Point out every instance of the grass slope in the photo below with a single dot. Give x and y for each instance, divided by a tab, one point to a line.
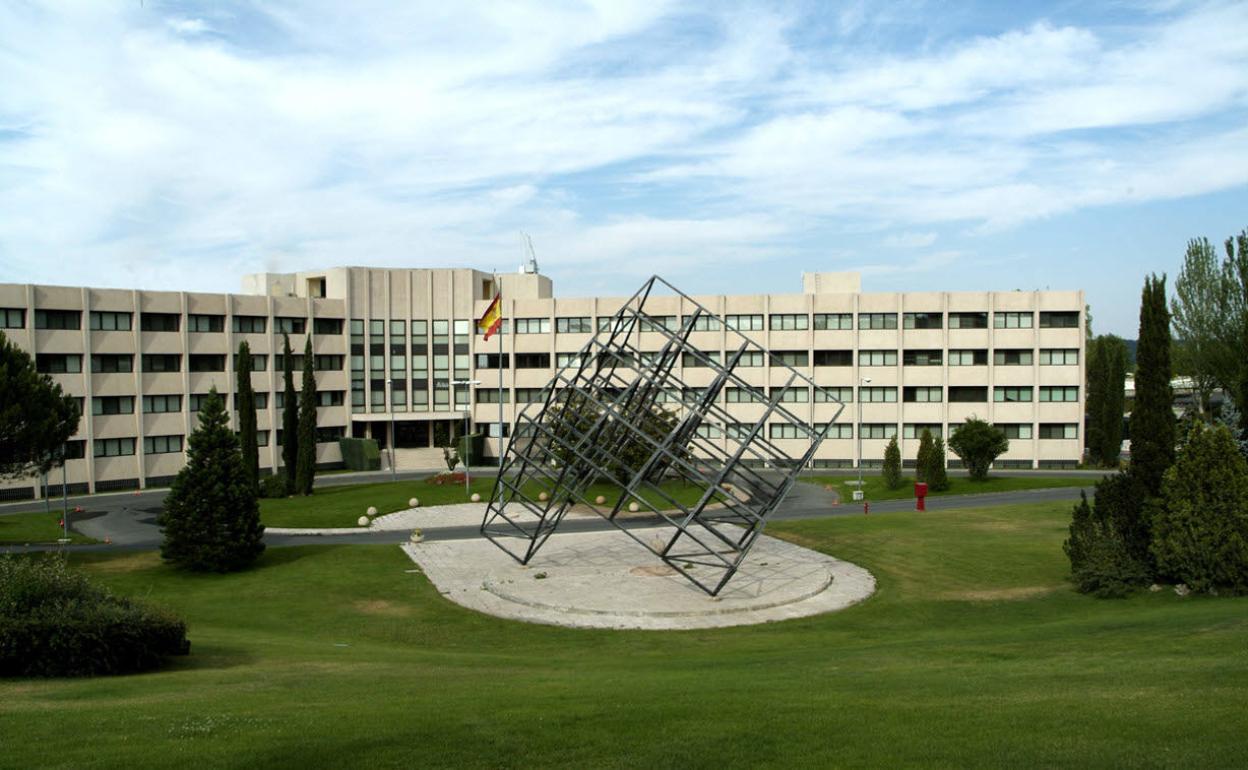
973	653
36	527
958	485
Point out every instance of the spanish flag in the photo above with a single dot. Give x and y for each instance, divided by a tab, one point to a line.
492	321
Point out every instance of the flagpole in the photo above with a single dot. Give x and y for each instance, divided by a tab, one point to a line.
501	429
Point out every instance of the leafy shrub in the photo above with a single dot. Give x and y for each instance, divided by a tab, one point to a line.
1200	533
54	622
273	486
892	465
978	443
1108	540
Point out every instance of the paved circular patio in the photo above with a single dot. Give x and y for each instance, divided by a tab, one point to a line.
606	580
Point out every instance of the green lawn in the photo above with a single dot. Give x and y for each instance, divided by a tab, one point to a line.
973	653
342	506
36	527
958	485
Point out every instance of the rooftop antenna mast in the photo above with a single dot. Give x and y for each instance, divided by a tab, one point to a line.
528	248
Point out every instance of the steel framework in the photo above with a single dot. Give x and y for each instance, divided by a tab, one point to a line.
605	417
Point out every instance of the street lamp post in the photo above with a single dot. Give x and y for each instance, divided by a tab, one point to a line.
467	425
865	381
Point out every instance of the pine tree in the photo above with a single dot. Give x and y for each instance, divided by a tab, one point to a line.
305	461
892	465
937	475
1094	438
290	418
1114	403
922	461
1152	420
211	518
245	400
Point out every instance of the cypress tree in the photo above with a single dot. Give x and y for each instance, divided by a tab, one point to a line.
937	475
1114	403
1152	421
1094	438
245	399
305	462
211	519
921	461
290	418
892	465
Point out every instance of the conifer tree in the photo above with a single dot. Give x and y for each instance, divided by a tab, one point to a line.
245	400
937	475
290	418
1107	370
305	461
921	460
892	465
211	518
1152	420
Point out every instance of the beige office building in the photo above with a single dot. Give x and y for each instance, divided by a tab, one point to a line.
391	344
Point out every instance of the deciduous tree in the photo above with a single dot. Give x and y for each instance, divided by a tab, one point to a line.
36	417
978	444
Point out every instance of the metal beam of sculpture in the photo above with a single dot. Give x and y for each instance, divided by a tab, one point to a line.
619	413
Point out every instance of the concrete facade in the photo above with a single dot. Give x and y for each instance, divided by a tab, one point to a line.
389	343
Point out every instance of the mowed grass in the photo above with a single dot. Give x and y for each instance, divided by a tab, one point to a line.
342	506
958	485
974	652
36	527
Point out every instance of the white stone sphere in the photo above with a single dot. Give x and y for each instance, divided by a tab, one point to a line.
634	507
363	522
413	503
372	510
543	496
416	536
600	499
475	497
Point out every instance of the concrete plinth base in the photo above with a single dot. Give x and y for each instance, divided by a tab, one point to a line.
606	580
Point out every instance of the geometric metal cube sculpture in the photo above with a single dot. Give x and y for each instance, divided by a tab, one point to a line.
620	414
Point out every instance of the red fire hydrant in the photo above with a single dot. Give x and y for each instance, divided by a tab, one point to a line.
920	492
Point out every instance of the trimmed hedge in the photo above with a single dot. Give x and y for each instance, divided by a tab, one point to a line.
360	454
54	622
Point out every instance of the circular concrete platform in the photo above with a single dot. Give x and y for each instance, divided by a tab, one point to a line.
606	580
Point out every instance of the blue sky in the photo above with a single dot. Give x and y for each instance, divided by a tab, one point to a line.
726	146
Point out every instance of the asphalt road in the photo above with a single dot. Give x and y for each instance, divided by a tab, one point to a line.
129	519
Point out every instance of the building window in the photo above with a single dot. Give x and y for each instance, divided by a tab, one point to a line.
279	362
794	394
1067	319
915	429
789	322
658	322
737	395
75	450
700	359
750	358
968	357
58	363
205	323
877	395
289	325
12	318
58	319
529	395
1059	356
1059	393
825	394
114	447
1015	430
330	434
532	326
112	363
532	360
790	358
706	430
334	397
968	394
922	394
249	324
833	321
924	320
922	358
1012	320
836	430
582	324
877	321
196	401
328	362
968	320
492	396
703	323
834	358
1059	430
112	405
1011	394
883	430
161	362
160	322
744	323
206	362
159	445
262	400
877	358
781	430
1020	357
332	326
104	321
491	360
162	404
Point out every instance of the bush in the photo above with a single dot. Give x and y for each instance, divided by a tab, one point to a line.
360	454
1107	556
53	622
1200	532
273	486
978	444
892	465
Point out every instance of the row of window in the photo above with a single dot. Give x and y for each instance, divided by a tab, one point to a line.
71	363
107	320
844	394
888	430
169	403
155	445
